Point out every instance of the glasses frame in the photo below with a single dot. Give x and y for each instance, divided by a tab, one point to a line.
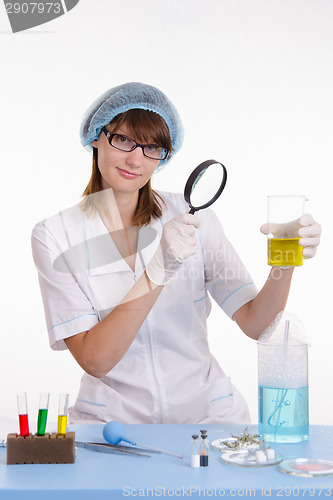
110	136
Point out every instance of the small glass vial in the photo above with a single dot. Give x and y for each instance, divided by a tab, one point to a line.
203	432
204	451
195	451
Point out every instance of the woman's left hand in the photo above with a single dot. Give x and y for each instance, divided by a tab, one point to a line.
308	230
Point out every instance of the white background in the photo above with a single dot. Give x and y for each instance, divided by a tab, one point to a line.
252	80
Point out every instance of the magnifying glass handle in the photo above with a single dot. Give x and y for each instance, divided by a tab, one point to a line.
192	211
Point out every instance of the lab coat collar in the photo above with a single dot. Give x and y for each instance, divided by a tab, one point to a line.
103	255
148	241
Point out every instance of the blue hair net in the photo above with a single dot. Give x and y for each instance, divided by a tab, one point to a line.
131	95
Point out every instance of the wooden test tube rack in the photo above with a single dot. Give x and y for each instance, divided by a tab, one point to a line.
48	449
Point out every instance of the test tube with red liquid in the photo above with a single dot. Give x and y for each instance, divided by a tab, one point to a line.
22	407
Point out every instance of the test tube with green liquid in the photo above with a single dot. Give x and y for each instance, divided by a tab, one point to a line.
42	413
62	414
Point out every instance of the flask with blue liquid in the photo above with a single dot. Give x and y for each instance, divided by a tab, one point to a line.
283	394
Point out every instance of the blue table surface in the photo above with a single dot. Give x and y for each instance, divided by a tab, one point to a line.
105	476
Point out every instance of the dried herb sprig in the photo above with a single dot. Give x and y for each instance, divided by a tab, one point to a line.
244	440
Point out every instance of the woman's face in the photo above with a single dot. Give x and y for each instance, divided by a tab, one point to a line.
121	170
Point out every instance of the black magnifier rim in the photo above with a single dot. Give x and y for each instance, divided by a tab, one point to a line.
193	177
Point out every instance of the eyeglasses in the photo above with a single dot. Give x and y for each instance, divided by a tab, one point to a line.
124	143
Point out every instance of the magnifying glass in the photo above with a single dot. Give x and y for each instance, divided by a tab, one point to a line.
205	185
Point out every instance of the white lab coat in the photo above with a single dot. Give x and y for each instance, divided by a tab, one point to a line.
168	374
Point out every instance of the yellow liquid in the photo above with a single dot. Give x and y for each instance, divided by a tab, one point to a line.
62	424
284	252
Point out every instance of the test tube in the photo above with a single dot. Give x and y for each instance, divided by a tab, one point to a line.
62	414
42	413
22	407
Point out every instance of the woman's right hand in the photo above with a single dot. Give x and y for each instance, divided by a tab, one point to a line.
177	243
100	349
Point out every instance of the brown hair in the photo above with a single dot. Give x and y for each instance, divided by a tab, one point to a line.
143	126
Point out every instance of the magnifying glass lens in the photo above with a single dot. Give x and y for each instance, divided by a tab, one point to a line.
205	185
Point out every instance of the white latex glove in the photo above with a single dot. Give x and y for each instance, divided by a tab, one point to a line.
177	243
305	227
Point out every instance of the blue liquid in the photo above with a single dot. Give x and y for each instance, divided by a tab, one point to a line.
284	414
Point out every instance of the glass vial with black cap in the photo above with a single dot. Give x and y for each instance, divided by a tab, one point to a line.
204	449
195	451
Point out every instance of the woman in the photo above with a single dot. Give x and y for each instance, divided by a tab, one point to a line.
125	274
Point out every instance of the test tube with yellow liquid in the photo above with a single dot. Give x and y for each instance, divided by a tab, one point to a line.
283	246
62	414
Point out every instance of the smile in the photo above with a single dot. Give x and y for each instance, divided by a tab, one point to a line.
126	174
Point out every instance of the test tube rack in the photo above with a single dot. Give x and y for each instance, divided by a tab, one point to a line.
48	449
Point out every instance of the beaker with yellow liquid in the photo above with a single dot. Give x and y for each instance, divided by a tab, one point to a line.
283	245
284	252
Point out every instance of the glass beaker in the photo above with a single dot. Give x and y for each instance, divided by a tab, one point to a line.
282	237
283	395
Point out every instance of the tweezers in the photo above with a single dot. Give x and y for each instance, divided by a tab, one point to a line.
113	448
